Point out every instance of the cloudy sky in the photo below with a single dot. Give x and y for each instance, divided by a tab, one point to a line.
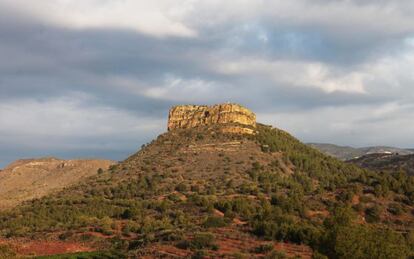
95	78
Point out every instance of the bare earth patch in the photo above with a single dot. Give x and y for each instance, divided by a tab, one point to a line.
26	247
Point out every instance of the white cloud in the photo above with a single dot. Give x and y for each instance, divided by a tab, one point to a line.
156	17
170	88
392	75
185	90
347	20
296	74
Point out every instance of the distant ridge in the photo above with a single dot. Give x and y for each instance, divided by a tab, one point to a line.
27	179
347	153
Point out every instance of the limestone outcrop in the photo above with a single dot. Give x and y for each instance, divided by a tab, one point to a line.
236	118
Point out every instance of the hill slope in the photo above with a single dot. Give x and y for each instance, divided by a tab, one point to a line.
200	192
386	162
34	178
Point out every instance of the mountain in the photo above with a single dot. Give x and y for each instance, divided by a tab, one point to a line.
27	179
386	150
386	162
341	152
220	185
347	153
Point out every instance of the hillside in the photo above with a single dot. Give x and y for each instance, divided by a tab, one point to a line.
28	179
347	153
340	152
386	162
204	192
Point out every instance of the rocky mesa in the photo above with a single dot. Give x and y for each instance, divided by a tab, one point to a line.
235	118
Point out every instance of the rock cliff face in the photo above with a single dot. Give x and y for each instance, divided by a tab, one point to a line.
241	119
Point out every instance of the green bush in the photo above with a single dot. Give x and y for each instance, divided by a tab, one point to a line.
183	244
317	255
182	187
65	235
362	242
6	252
264	248
276	255
202	240
395	209
199	254
373	214
216	222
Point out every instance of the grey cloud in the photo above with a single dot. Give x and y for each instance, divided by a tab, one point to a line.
129	72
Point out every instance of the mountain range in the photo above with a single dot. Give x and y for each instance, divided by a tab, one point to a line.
347	152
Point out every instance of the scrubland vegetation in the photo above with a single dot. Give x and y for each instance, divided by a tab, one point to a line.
282	191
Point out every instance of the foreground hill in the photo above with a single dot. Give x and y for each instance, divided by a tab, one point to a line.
211	191
34	178
347	153
386	162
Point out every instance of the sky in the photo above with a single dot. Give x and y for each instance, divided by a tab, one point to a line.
95	78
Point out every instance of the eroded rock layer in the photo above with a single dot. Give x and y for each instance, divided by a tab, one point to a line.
190	116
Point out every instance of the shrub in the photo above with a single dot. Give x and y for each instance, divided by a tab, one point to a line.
182	187
174	197
395	209
239	255
127	214
6	252
276	255
373	214
317	255
264	248
199	136
365	242
216	222
202	240
65	235
195	188
134	244
183	244
199	254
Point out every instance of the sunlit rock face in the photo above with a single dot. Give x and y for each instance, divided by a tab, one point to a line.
236	118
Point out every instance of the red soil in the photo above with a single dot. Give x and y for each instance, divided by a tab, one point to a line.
44	247
168	251
231	241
